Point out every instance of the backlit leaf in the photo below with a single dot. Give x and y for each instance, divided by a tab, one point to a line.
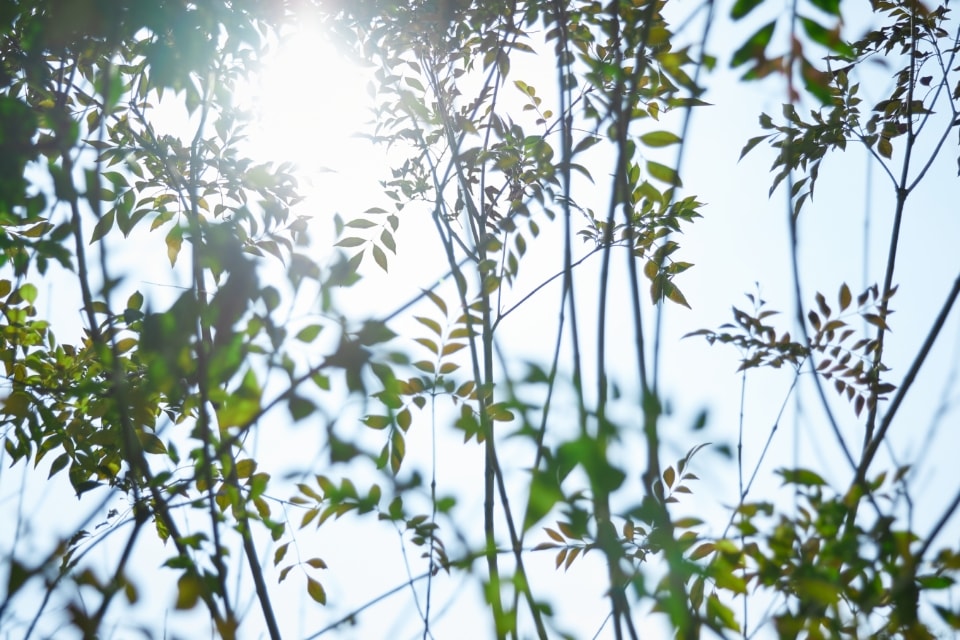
660	139
669	475
387	240
103	226
151	443
59	463
377	422
349	242
360	223
743	7
884	147
433	325
309	333
315	589
437	300
845	297
174	241
755	46
802	477
828	6
663	173
28	291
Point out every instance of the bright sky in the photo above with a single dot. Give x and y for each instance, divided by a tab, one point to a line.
311	99
741	240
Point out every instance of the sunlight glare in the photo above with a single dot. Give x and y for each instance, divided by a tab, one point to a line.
309	102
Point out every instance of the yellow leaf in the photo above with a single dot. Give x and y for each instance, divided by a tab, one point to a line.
884	148
189	588
669	475
245	468
702	551
553	534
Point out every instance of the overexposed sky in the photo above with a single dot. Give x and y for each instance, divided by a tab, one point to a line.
312	100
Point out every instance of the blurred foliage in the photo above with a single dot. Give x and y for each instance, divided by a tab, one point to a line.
157	399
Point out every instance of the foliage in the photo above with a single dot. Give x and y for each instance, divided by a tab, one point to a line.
160	397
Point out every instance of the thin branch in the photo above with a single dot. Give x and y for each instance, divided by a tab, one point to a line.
763	454
902	192
545	283
937	528
908	380
202	353
684	130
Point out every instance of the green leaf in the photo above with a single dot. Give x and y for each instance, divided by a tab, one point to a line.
135	301
151	443
174	242
125	344
884	147
952	618
361	223
350	242
827	6
674	295
315	589
751	143
829	38
38	230
59	464
719	611
437	300
386	239
452	347
660	139
300	407
755	46
425	366
309	333
876	321
189	588
374	332
663	173
743	7
935	581
162	218
246	468
585	144
651	269
429	344
377	422
380	258
28	292
280	553
433	325
703	551
696	593
801	477
545	493
103	226
669	475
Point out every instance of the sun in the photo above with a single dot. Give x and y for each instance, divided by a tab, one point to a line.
309	102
